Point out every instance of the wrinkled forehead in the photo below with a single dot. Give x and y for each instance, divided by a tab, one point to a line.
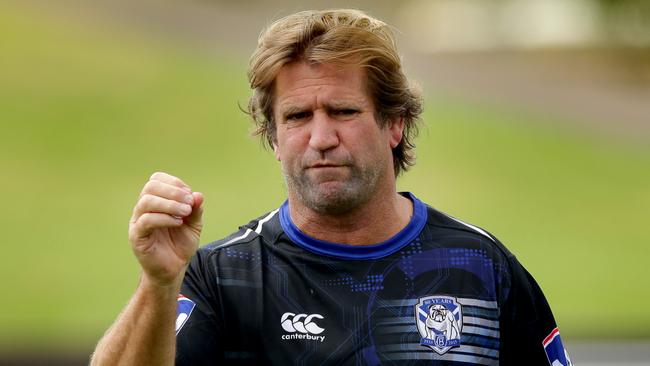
298	81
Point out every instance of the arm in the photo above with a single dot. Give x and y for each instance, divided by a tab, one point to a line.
164	233
526	323
144	331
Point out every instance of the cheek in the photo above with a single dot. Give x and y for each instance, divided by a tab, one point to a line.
381	141
288	146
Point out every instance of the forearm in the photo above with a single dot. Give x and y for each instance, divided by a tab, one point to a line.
143	334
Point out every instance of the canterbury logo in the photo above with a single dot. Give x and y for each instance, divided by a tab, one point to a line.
302	323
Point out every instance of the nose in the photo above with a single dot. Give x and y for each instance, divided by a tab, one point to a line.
324	135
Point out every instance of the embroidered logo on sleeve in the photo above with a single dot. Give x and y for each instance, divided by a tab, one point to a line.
557	355
184	309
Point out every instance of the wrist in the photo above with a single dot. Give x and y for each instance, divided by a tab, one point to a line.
161	289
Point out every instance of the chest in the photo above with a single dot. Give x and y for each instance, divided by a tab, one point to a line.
404	310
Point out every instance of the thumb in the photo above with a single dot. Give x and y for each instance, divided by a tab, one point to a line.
196	217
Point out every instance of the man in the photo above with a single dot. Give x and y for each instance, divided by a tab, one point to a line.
347	270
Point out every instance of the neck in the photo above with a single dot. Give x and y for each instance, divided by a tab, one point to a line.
373	222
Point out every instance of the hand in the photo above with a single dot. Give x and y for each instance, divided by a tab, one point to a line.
165	228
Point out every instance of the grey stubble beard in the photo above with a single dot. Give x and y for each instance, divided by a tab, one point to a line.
356	190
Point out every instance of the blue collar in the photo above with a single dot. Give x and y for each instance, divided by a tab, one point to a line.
357	252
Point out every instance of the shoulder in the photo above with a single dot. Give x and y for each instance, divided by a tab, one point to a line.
518	285
238	251
471	247
265	228
453	229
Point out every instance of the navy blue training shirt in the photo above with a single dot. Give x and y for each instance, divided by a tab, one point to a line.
440	292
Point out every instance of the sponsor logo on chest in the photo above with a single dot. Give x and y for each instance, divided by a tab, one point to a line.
302	326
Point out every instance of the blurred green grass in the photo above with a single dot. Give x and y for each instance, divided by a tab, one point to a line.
88	114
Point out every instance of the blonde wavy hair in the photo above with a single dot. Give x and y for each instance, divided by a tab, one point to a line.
344	37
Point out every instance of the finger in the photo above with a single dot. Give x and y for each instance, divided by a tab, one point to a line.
168	191
196	218
150	221
170	179
151	203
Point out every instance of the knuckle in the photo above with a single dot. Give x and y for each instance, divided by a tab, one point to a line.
138	228
145	202
179	194
148	187
174	193
178	182
146	199
144	221
172	206
156	175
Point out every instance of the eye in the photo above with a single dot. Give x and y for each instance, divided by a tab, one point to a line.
297	116
345	112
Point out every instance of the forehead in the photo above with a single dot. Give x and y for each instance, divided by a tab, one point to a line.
300	83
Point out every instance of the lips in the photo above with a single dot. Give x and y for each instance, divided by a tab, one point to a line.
325	166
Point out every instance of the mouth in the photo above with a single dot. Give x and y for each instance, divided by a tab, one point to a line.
327	172
325	166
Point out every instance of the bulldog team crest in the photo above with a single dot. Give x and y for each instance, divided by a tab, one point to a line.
439	320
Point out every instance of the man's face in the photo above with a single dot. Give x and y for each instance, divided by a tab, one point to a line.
334	155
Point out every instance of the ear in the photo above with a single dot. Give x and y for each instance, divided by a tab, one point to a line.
276	151
396	132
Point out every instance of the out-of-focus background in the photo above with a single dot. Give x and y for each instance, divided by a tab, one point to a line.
537	127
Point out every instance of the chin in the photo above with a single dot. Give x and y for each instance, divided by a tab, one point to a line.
334	198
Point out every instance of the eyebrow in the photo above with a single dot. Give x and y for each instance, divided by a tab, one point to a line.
341	104
290	109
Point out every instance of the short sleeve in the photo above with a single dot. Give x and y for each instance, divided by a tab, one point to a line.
527	324
198	325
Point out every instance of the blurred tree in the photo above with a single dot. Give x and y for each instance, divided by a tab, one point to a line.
627	22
